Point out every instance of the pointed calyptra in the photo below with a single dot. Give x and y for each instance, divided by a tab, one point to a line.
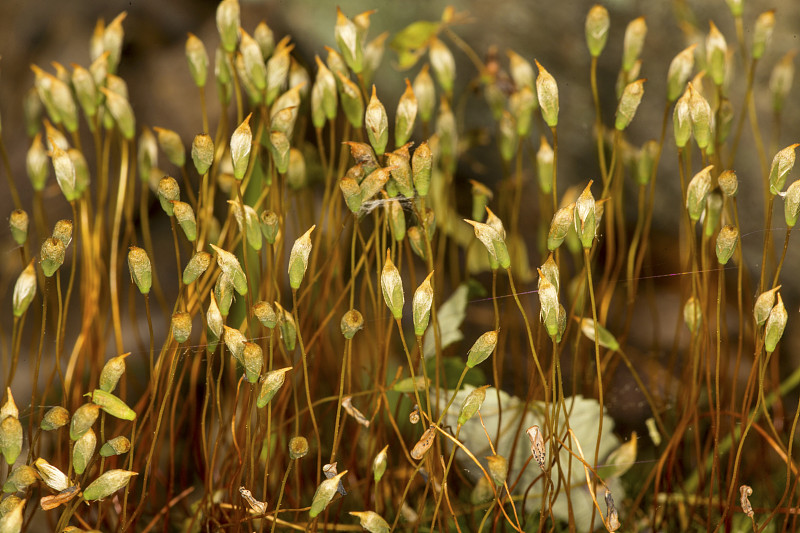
241	142
425	91
629	103
443	63
107	484
493	241
547	91
633	42
377	123
229	264
585	217
349	41
482	348
696	193
680	68
782	164
228	22
197	58
392	287
24	290
405	116
298	259
265	38
776	323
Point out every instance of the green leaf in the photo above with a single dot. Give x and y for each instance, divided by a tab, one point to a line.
407	385
620	460
605	338
415	35
408	58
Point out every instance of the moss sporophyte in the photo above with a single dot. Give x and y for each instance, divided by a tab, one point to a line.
206	324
